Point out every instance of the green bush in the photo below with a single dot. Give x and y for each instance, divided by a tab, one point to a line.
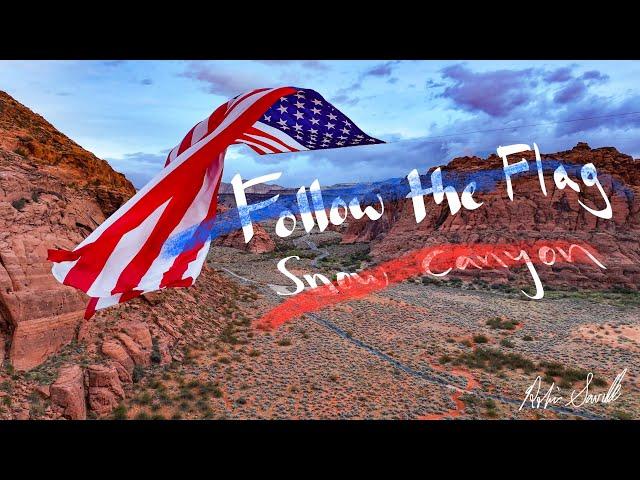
120	412
138	373
499	324
494	360
505	342
156	357
19	204
21	151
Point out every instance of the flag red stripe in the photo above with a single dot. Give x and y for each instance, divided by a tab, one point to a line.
93	260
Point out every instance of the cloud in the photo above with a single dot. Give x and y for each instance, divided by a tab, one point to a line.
595	75
317	65
112	63
559	75
223	81
495	93
139	167
381	70
598	112
573	91
345	96
344	99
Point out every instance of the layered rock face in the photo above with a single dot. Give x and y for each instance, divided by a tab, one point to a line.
530	216
53	194
260	243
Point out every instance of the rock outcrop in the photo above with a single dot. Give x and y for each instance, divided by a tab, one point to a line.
260	243
104	388
68	393
530	216
53	194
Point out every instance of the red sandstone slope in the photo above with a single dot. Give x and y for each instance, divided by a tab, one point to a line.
530	215
52	194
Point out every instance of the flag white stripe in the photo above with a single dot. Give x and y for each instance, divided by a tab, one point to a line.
262	148
185	155
200	131
196	213
195	267
174	153
283	137
125	250
104	302
61	269
273	143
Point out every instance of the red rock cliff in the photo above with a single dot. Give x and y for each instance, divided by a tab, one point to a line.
53	193
530	216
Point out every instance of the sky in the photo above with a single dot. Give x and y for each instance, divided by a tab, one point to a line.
131	113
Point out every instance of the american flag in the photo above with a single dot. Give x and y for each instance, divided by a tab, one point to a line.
127	255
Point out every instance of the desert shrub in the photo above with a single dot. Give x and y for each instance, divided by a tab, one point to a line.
494	360
138	373
620	415
490	403
120	412
480	339
144	398
186	394
445	359
527	338
21	151
499	324
505	342
285	342
19	204
156	357
6	386
227	335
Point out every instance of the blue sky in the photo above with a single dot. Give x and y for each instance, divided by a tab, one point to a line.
132	112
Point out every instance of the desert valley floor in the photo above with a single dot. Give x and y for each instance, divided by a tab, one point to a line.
415	350
411	351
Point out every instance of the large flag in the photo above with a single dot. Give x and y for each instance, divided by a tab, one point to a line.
128	254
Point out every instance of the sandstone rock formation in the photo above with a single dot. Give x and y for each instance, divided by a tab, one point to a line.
53	194
68	392
260	243
104	388
530	216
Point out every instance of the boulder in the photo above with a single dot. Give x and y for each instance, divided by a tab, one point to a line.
68	392
104	388
116	351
